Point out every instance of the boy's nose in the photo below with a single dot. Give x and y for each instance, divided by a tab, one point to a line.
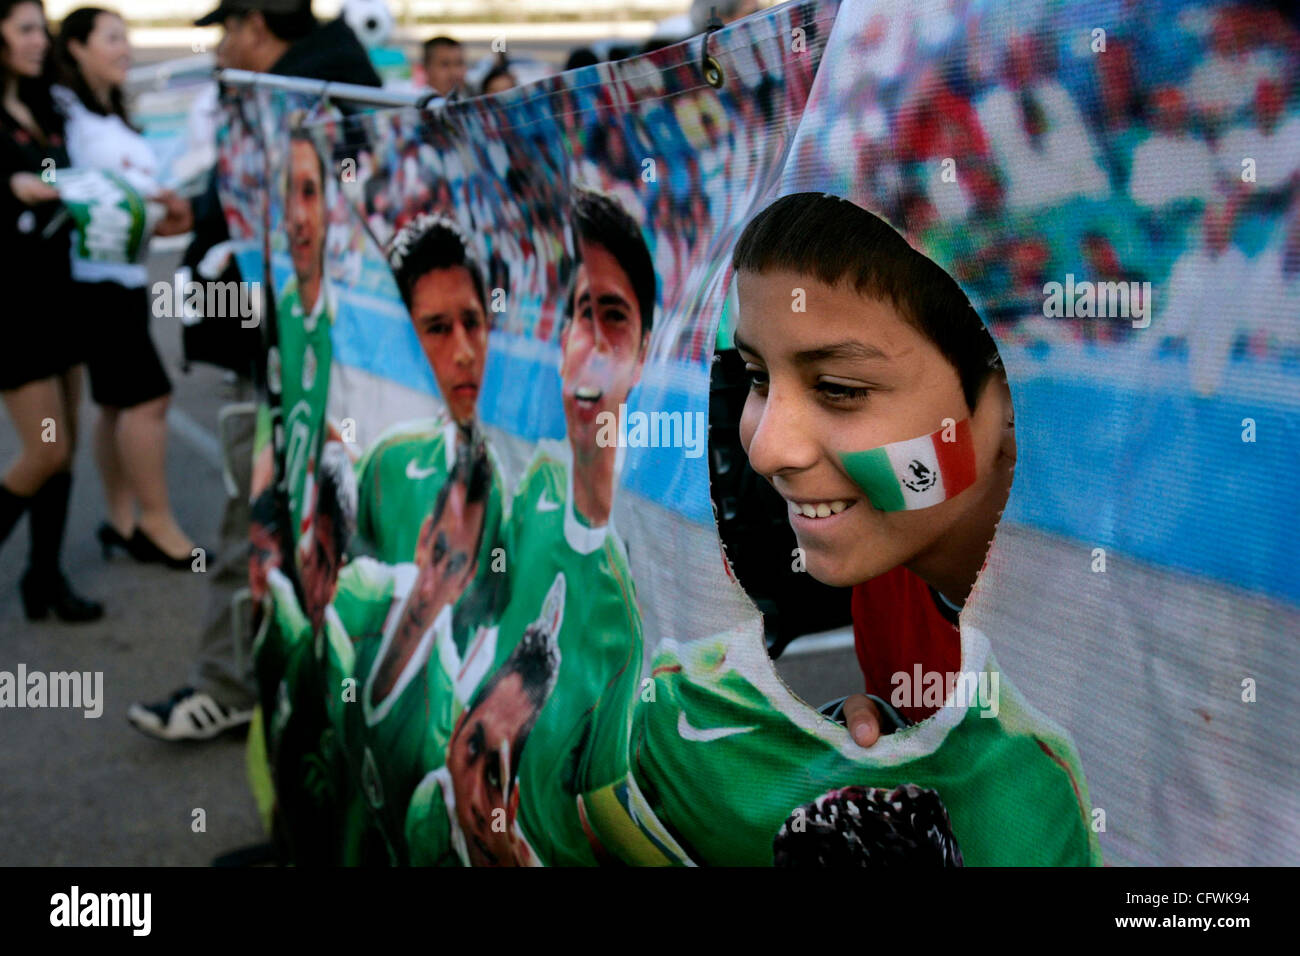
781	441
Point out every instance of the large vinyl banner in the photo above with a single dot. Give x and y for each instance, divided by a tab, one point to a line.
499	626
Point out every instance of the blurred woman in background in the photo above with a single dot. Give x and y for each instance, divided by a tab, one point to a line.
127	378
40	374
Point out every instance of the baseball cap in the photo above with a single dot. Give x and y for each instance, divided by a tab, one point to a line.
228	8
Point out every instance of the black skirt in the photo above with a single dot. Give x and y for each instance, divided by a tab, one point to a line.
124	365
39	316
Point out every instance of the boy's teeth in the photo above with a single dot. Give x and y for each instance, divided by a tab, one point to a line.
822	510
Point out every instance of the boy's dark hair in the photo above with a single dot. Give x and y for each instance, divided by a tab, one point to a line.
427	243
835	240
434	42
580	57
599	219
498	71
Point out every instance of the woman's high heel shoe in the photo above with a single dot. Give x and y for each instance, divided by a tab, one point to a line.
144	549
110	538
43	594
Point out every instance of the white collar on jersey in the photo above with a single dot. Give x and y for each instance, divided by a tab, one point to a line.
323	300
447	786
450	435
581	538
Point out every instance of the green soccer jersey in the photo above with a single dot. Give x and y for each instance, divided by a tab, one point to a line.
300	367
578	745
302	748
392	739
433	838
384	737
724	754
398	480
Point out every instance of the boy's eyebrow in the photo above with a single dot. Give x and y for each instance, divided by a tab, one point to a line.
848	349
742	345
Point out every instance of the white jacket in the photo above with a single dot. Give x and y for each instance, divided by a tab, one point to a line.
107	143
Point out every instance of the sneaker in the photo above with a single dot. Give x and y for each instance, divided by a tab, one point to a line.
187	715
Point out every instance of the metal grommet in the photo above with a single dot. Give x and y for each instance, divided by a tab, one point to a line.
713	73
710	68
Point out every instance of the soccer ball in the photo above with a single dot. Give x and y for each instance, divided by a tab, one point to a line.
370	20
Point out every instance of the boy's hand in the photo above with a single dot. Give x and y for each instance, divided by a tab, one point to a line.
862	719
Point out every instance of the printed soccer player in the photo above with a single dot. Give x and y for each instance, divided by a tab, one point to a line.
298	365
298	620
478	786
309	771
389	618
399	476
880	415
559	526
430	512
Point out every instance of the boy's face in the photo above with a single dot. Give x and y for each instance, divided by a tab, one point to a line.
851	374
444	67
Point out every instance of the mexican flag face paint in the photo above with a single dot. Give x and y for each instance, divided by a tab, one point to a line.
918	472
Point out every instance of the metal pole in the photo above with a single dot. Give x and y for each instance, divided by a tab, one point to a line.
351	92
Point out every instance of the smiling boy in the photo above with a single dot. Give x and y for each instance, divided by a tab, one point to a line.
878	411
887	350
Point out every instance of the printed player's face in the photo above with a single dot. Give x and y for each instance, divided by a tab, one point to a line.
320	570
602	344
305	212
849	374
453	332
478	759
448	554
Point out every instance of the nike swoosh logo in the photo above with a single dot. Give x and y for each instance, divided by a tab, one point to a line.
416	473
687	732
546	504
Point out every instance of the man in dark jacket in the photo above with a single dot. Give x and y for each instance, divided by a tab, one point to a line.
265	36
